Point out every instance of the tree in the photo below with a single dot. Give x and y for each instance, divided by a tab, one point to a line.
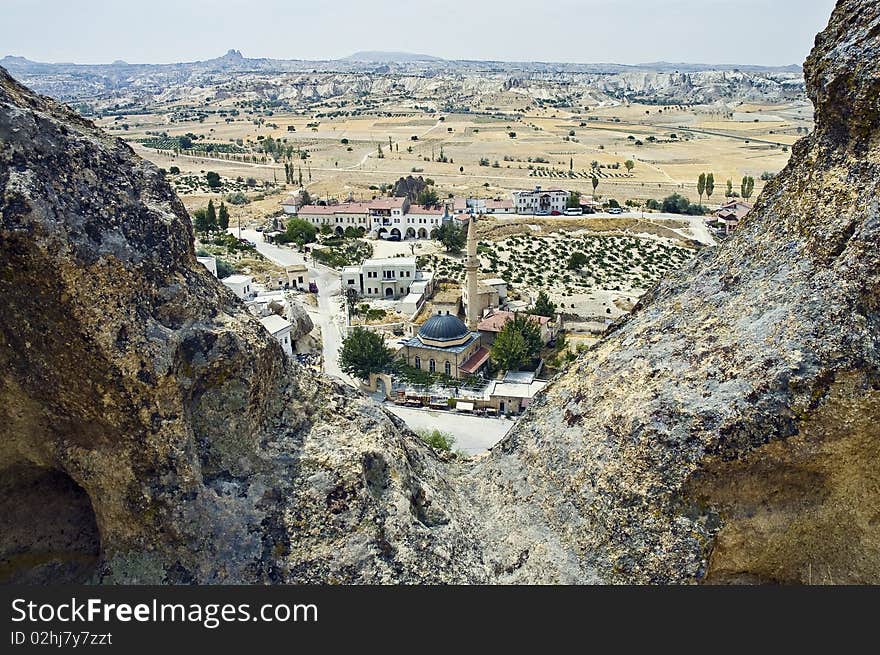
701	186
364	352
710	186
544	306
305	197
595	181
436	439
223	217
729	191
452	237
629	164
428	198
212	216
379	153
518	341
300	231
574	200
213	179
200	220
747	186
174	170
576	261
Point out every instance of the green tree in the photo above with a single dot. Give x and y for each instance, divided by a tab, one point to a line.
577	261
544	306
746	187
305	197
701	186
200	220
574	200
223	217
212	216
213	179
629	164
300	231
518	341
452	237
729	192
364	352
710	186
595	181
427	197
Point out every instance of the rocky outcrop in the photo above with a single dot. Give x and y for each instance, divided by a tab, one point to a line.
724	431
131	378
727	430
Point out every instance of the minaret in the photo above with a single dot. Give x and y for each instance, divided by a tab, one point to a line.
471	266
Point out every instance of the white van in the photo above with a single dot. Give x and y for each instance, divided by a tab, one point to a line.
573	211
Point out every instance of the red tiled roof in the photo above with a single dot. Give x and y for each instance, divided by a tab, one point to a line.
496	321
386	203
421	209
475	361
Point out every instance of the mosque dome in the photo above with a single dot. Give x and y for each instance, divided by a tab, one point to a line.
443	328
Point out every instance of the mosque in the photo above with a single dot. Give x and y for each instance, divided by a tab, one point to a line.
445	343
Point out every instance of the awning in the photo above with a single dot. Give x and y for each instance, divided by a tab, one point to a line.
464	406
475	361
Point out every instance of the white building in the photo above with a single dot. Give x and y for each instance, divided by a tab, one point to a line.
389	277
280	329
241	285
490	206
210	263
420	222
540	201
387	216
297	276
338	217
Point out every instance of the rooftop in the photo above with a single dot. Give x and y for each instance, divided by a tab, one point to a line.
275	323
237	279
415	343
516	389
390	261
496	321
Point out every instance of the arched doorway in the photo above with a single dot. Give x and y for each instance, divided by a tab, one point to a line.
339	231
389	292
410	233
48	529
381	231
395	232
423	233
434	233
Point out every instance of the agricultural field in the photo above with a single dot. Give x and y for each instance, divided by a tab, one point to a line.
470	153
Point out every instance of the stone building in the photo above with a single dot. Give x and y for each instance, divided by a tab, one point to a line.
444	344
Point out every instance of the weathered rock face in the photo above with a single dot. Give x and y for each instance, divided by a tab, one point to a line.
132	379
727	430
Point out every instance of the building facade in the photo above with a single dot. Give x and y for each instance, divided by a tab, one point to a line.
445	345
540	201
389	277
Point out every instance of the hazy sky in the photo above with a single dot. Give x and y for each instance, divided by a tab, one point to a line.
771	32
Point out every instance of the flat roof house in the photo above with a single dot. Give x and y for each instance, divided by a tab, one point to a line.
241	285
279	328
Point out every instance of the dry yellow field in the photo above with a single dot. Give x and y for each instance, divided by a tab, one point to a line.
670	147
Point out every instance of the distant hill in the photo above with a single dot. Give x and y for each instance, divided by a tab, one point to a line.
381	57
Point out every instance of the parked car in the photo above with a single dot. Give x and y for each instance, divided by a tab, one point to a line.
573	211
393	237
556	212
615	210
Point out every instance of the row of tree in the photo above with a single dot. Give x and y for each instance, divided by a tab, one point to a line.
210	219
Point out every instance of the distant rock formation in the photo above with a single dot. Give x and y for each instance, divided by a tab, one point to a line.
409	187
725	431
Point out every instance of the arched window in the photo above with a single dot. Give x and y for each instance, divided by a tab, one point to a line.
448	369
418	362
432	365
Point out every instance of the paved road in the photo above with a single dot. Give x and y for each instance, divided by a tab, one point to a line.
327	313
473	434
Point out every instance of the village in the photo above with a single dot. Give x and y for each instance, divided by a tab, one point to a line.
450	313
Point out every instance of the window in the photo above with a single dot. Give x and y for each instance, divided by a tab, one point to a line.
447	368
350	281
418	362
432	365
